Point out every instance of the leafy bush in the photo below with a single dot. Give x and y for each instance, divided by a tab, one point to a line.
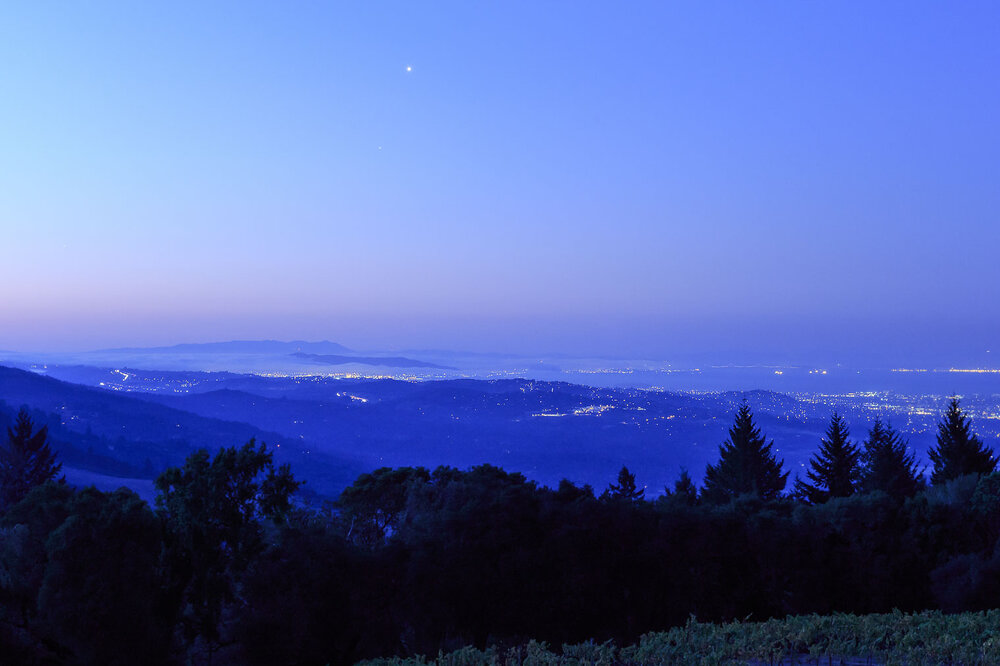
894	638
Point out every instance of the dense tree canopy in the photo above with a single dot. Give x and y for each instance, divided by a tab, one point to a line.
231	569
102	573
213	509
372	507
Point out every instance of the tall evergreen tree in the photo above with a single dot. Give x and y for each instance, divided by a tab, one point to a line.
746	464
626	488
959	451
835	471
886	465
26	461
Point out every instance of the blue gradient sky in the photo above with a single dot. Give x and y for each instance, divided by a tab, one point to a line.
753	179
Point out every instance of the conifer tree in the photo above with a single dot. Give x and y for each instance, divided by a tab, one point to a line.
746	464
625	488
684	488
886	465
959	451
835	471
26	461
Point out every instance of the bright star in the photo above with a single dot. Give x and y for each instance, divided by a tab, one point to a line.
409	69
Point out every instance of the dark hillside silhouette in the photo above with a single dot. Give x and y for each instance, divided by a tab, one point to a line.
123	435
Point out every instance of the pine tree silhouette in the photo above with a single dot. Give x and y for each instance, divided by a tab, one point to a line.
746	464
835	471
959	451
684	488
625	488
26	461
886	465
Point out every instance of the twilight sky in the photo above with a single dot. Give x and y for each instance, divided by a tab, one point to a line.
754	180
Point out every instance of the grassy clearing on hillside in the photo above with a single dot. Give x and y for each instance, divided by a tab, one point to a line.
895	638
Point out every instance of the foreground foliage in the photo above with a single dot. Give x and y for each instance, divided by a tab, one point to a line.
894	638
412	561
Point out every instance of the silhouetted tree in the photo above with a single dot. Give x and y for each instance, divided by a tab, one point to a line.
474	535
213	511
26	461
101	597
625	489
886	465
746	464
959	451
372	507
684	489
835	471
24	533
308	600
568	492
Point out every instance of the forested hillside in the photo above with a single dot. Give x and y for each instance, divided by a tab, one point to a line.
116	434
334	429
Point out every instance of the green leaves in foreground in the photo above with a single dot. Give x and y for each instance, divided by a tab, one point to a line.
894	638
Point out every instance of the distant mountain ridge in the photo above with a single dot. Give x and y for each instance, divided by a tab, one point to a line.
323	352
240	347
386	361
